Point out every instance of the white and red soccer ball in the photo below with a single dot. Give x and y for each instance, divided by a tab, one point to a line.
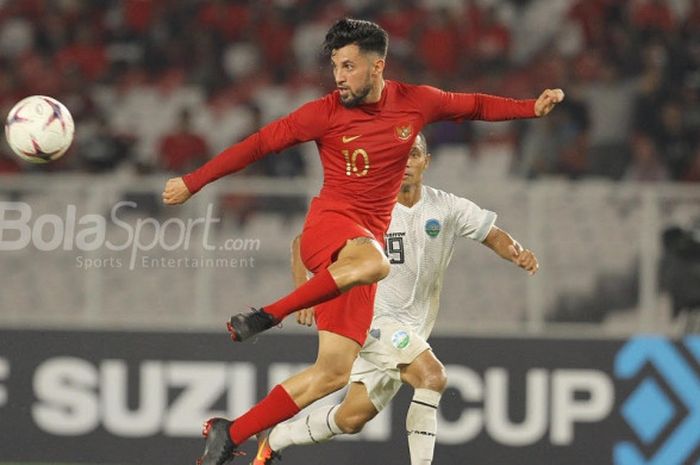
39	129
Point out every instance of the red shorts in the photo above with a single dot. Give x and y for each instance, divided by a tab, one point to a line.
327	229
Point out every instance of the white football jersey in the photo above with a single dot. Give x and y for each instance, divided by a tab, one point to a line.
419	244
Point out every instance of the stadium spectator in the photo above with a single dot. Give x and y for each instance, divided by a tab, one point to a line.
491	41
86	53
651	16
673	139
182	149
646	164
609	102
692	174
439	44
99	148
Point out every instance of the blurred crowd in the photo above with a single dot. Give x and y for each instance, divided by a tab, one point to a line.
162	85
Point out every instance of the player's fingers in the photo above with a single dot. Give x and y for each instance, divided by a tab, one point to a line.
535	268
302	318
558	95
549	104
528	257
527	260
513	251
170	200
168	192
523	264
547	100
309	316
530	264
554	95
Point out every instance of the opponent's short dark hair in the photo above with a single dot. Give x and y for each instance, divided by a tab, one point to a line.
368	36
422	143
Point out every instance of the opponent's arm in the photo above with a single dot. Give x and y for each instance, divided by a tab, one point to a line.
508	248
305	316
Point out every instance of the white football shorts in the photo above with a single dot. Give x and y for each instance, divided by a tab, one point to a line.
388	345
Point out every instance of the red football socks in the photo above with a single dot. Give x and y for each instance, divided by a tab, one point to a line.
275	408
318	289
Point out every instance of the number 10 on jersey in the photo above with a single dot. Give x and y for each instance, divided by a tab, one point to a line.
351	162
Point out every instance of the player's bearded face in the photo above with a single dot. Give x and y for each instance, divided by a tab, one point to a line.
352	71
350	97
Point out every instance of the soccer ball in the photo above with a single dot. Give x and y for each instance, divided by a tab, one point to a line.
39	129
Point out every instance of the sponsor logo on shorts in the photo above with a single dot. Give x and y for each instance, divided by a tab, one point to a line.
432	227
400	339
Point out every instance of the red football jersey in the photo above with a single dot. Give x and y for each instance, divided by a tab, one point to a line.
363	149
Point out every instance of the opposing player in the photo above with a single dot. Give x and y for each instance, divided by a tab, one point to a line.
363	130
425	225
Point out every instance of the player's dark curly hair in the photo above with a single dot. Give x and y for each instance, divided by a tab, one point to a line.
368	36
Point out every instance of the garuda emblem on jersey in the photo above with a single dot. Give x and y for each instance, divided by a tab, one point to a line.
403	132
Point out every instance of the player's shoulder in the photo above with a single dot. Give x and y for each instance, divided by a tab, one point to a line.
317	110
438	202
435	195
326	102
447	202
408	90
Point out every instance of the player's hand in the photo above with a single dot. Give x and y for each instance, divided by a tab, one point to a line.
175	192
525	259
306	316
547	101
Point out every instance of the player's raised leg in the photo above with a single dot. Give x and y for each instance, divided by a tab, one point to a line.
328	374
320	425
361	261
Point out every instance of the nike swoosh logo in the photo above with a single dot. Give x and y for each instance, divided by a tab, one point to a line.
347	139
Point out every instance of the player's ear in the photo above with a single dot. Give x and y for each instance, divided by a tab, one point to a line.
428	157
378	66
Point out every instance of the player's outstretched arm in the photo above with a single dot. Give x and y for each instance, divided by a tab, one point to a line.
547	100
304	124
439	105
304	316
508	248
175	192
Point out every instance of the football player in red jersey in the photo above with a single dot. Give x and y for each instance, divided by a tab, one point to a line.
364	131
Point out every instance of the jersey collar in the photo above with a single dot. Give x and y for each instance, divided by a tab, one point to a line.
415	205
